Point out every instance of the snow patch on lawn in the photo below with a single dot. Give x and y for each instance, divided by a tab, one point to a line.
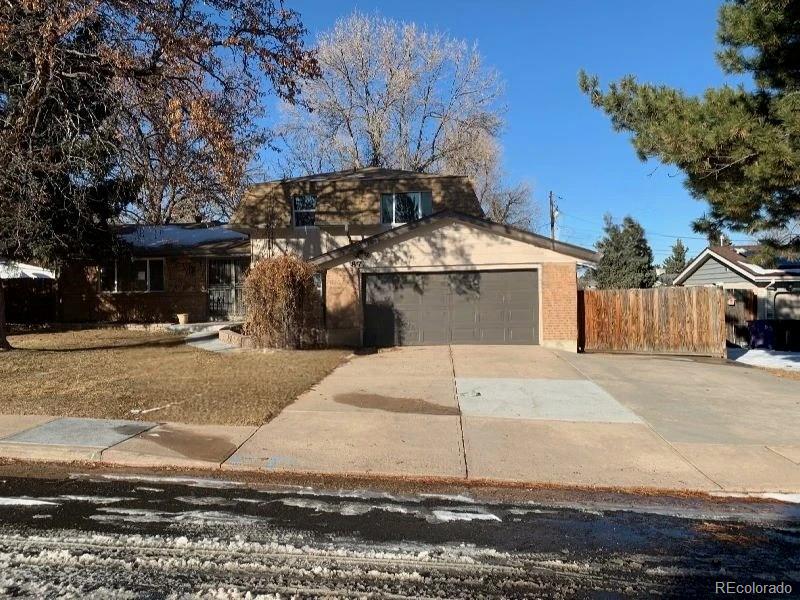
771	359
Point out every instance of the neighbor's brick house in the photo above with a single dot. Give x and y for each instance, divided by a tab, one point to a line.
161	271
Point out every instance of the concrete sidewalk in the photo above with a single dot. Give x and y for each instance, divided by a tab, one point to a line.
524	415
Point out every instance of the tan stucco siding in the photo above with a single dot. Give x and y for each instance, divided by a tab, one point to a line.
456	246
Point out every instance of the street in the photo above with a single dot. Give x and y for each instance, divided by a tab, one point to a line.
149	536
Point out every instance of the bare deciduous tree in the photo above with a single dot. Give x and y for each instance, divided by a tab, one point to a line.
104	102
513	205
398	96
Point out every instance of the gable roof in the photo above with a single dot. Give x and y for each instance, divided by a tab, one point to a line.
10	269
339	255
363	174
737	258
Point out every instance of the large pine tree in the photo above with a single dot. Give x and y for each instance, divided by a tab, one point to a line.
626	258
738	146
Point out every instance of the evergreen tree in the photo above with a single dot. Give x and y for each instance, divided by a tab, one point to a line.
626	258
676	262
738	147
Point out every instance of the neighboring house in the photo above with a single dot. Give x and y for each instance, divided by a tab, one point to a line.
163	270
29	292
407	258
730	267
10	269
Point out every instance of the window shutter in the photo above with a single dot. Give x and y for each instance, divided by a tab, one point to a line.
427	204
387	208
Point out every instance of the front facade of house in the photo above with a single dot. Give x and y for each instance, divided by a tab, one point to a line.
165	270
407	259
777	290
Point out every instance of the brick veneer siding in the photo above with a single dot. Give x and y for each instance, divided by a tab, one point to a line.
185	291
343	309
559	305
341	201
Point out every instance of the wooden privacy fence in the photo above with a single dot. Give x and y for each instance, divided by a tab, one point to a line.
669	320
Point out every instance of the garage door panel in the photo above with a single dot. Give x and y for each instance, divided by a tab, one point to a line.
464	314
522	315
489	318
460	308
493	335
521	335
464	335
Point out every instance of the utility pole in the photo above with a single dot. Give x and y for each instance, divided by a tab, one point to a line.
553	215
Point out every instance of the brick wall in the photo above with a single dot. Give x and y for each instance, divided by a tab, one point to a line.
343	312
559	305
185	291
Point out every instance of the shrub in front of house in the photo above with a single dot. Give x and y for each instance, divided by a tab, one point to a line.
283	303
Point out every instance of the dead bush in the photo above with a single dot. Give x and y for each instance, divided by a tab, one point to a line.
283	304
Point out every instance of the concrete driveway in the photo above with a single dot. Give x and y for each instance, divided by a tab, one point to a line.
534	415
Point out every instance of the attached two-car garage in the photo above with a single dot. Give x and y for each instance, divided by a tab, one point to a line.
451	278
461	307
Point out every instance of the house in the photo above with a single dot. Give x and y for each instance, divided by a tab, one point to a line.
195	268
29	292
10	269
731	267
408	259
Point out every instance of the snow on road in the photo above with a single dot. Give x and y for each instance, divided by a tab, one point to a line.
111	537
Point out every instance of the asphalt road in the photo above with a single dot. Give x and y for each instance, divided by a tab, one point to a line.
106	535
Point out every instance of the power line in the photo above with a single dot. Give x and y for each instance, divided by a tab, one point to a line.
666	235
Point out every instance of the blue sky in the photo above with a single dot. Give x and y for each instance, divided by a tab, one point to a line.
553	138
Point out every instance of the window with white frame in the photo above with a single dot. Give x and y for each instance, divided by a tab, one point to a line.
133	275
304	209
404	207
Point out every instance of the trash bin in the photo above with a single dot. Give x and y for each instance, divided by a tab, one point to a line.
762	334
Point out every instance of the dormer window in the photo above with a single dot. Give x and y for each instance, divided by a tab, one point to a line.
304	209
404	207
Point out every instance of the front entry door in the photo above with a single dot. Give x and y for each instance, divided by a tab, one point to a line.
225	284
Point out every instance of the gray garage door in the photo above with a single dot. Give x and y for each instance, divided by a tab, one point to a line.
488	307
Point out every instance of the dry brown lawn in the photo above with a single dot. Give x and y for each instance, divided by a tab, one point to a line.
114	373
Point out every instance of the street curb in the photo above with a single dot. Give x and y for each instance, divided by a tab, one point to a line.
277	476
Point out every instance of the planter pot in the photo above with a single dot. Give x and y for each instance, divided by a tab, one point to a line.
183	318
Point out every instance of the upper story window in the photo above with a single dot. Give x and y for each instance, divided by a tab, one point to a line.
405	207
138	275
304	209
